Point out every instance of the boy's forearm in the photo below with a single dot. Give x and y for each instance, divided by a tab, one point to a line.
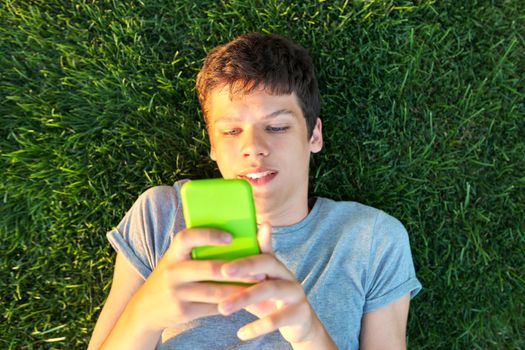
320	340
130	332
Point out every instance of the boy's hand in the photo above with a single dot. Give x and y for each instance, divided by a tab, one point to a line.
175	292
279	301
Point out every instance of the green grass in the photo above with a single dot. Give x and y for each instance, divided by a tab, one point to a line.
424	117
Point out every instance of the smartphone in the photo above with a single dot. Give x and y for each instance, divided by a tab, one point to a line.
226	205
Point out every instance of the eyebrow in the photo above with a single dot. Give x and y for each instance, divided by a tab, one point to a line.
268	116
279	112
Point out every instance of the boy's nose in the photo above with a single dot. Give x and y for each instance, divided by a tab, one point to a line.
254	144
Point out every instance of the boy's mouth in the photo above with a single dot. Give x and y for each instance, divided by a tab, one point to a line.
259	177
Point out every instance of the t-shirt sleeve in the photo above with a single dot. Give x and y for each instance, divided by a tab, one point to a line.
147	229
391	272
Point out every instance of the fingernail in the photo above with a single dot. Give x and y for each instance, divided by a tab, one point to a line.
226	237
226	308
242	334
260	277
231	269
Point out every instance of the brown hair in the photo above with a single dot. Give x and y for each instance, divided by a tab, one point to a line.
253	60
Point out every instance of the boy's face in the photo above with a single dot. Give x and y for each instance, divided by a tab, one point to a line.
263	138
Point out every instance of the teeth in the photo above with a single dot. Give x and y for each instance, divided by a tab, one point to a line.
258	175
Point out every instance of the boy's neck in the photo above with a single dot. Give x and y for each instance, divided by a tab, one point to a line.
284	214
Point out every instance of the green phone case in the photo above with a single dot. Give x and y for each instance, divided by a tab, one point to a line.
226	205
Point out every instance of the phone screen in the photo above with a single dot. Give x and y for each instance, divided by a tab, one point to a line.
223	204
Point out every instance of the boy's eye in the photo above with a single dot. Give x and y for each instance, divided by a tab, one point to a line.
231	132
277	129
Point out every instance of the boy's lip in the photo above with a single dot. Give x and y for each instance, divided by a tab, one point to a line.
258	176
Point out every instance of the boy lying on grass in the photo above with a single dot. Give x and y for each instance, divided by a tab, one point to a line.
330	274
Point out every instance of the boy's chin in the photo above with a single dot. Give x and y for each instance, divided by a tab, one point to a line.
260	193
263	196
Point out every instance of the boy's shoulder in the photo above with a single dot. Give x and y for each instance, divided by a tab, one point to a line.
349	209
162	192
351	213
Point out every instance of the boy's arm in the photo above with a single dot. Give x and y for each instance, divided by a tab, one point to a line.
126	281
385	328
278	301
137	311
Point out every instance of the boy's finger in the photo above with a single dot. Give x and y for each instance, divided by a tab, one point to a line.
207	292
289	315
187	239
206	270
196	271
264	237
197	310
255	265
283	291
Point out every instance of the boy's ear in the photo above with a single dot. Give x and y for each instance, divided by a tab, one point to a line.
213	155
316	141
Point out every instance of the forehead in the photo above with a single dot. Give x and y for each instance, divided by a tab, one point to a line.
225	102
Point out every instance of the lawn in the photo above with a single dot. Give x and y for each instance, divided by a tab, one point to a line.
423	104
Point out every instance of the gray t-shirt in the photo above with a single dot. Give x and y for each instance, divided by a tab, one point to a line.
350	259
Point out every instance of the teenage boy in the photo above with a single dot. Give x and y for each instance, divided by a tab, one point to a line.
330	275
